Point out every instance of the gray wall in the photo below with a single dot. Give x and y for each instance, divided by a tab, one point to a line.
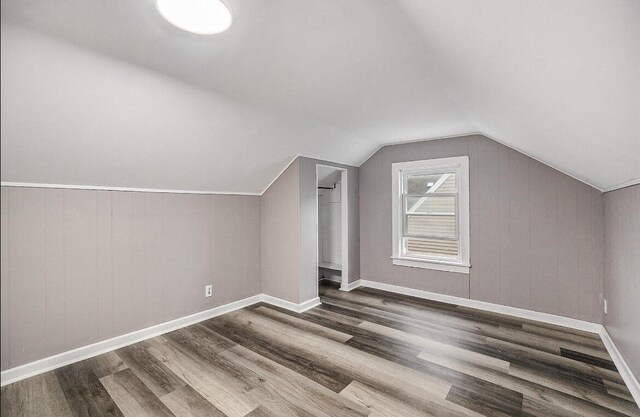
308	231
622	272
83	266
536	234
280	233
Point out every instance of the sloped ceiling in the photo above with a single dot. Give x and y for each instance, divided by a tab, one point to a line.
141	104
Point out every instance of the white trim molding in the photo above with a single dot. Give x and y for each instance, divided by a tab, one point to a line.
124	189
483	305
623	368
344	221
438	266
351	286
280	174
625	184
85	352
444	168
288	305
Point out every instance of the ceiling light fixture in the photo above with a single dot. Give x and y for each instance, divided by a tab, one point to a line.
203	17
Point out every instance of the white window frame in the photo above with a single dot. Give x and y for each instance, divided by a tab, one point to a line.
459	164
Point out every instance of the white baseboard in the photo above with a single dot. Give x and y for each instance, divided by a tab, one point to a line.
483	305
625	371
65	358
352	285
288	305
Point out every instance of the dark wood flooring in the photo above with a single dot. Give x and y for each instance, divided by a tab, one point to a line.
362	353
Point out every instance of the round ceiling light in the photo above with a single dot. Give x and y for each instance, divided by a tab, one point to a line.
204	17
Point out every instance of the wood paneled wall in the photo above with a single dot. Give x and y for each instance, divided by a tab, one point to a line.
536	233
80	266
280	245
622	272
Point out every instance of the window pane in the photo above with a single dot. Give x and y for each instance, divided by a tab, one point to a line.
448	185
431	247
430	204
430	226
432	183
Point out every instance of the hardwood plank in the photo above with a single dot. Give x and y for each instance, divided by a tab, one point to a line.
293	388
529	356
226	388
106	364
392	353
311	366
598	396
562	335
378	403
467	340
187	402
532	407
437	347
407	384
132	396
586	358
150	370
565	401
460	325
507	404
202	340
39	396
260	412
84	392
359	364
330	315
302	325
619	390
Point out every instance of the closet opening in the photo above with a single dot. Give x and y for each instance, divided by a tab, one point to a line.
332	225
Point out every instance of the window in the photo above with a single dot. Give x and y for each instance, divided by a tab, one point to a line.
431	214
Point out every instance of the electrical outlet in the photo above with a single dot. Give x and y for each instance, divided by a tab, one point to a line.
605	306
208	290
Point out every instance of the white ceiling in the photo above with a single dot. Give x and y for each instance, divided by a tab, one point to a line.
330	79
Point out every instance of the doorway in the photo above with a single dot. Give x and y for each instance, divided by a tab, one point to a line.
332	225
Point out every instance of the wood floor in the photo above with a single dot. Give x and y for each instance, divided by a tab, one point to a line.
362	353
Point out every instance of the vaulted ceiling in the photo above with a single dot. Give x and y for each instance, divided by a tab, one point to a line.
107	93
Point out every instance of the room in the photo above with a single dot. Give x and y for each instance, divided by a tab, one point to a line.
362	208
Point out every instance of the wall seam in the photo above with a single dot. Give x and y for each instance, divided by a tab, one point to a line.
9	271
46	281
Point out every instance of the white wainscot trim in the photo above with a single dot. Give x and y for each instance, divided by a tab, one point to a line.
85	352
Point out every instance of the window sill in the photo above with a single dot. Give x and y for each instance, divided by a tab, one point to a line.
435	265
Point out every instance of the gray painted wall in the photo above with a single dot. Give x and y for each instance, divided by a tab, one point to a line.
536	234
83	266
622	272
308	219
280	232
